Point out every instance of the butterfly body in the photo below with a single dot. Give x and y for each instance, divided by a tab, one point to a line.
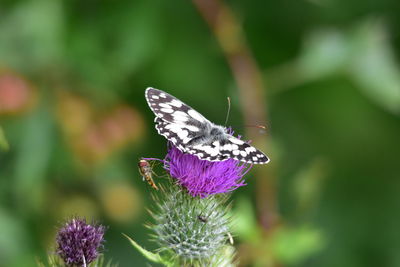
192	133
208	133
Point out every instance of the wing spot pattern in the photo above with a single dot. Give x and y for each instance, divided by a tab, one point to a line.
166	110
195	115
250	149
176	103
163	105
236	141
192	128
180	116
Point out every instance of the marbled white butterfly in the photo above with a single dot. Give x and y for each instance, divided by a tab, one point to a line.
191	133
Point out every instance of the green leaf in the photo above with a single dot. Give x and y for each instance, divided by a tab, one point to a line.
154	257
3	141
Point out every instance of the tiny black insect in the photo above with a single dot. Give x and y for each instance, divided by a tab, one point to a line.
202	218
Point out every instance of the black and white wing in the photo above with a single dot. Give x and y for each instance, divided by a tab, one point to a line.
175	120
217	150
182	125
178	134
172	110
229	147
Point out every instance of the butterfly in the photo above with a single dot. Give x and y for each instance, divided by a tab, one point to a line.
192	133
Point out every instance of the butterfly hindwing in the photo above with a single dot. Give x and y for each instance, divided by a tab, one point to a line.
230	147
218	150
242	151
176	133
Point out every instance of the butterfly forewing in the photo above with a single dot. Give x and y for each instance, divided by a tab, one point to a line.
191	133
171	109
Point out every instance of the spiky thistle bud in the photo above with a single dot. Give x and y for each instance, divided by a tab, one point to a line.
191	230
79	243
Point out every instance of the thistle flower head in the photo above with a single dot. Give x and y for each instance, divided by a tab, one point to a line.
202	177
78	243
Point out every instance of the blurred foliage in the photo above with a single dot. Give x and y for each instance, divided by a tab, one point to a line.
75	122
286	244
55	261
3	141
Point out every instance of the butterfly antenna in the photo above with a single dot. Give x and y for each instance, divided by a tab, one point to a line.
257	126
262	128
229	109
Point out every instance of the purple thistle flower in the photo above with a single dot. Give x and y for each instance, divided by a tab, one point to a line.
79	242
202	177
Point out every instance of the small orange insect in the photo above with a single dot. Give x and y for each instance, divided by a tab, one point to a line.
146	171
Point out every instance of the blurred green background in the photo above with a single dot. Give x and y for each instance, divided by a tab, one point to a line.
74	122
